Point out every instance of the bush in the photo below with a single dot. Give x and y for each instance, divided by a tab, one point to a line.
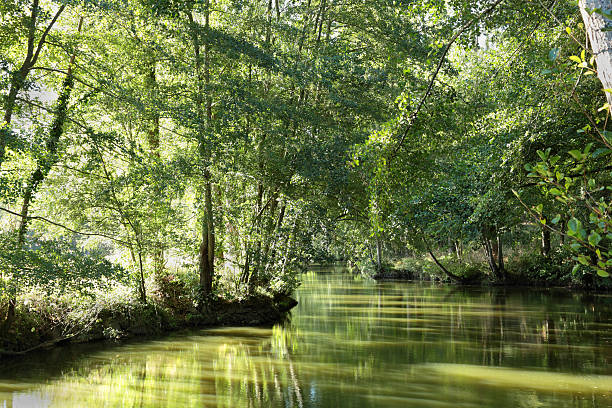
557	269
55	264
176	292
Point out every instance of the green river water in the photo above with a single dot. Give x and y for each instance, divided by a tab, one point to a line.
351	343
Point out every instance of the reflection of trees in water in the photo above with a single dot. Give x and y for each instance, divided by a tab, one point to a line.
260	376
490	326
227	371
347	343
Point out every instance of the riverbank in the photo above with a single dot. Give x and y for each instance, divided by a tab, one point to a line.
43	322
532	270
350	343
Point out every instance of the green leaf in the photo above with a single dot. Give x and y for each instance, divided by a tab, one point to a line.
591	184
583	260
594	238
602	273
538	208
574	225
602	12
575	58
576	154
556	219
602	151
553	54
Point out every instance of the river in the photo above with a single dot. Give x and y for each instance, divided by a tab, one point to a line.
351	342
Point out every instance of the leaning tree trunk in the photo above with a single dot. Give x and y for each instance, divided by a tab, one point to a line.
596	26
42	170
18	77
442	267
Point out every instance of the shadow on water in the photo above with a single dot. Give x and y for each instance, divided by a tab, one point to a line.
351	342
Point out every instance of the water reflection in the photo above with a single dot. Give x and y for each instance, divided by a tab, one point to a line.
351	343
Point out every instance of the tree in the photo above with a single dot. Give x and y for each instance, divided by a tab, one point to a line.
596	16
35	44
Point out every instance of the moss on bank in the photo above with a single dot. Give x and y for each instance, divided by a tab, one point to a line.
45	321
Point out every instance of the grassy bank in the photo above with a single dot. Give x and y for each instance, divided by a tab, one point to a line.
520	269
45	319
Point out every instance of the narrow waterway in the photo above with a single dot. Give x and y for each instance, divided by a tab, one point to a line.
351	343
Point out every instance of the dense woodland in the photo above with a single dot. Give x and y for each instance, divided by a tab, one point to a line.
162	155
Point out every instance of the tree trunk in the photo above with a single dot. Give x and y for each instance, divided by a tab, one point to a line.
494	248
207	248
153	141
545	248
442	267
17	81
500	257
246	272
153	131
256	251
269	230
486	244
493	257
378	253
43	167
19	76
600	39
279	224
10	313
141	287
45	163
459	251
207	63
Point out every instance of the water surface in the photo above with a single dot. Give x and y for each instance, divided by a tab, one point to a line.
351	343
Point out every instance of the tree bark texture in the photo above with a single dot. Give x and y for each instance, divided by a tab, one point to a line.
600	39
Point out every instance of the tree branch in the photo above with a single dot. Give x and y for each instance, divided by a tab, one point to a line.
90	234
41	42
415	114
